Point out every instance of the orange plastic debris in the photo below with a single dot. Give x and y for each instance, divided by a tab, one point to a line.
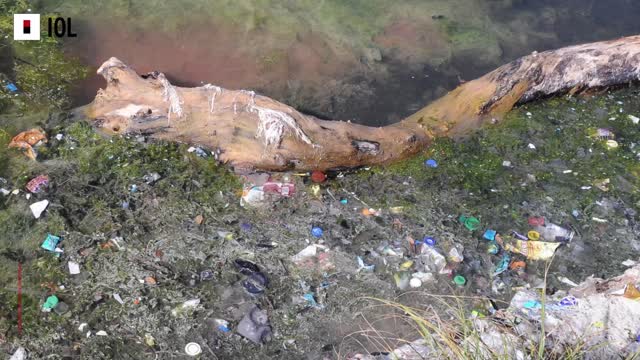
631	292
150	280
370	212
516	265
26	140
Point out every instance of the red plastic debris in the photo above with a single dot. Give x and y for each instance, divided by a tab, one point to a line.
38	183
536	221
284	189
318	176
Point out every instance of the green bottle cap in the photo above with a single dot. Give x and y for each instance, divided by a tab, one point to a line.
459	280
472	223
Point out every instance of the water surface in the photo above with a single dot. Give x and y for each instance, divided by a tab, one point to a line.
372	61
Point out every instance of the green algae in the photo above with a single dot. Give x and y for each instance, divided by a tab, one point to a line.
41	71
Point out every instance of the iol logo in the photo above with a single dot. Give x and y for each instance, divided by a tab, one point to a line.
27	27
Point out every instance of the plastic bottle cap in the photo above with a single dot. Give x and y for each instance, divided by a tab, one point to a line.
318	176
415	282
317	231
459	280
192	349
470	222
431	163
429	241
533	235
344	201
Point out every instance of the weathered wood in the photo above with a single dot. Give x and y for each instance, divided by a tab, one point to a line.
253	131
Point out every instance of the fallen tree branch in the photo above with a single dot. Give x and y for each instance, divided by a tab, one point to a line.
251	131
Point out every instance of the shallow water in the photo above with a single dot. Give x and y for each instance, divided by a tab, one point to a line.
372	61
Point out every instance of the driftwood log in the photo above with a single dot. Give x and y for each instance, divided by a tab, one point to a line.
250	131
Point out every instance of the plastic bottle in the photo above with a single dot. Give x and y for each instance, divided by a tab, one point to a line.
553	232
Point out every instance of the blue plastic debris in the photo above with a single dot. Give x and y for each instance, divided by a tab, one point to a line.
532	304
50	243
223	325
317	231
490	235
493	248
569	301
517	235
11	87
344	201
363	266
431	163
503	265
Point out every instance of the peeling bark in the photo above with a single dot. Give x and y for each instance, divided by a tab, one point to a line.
255	132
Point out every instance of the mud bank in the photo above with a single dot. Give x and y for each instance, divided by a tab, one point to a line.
178	237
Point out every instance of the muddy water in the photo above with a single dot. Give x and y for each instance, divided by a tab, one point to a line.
372	62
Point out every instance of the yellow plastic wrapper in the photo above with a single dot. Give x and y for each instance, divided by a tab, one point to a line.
533	250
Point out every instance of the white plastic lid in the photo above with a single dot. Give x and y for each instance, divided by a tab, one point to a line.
192	349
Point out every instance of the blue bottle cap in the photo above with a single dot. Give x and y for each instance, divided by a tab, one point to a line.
344	201
431	163
317	231
429	241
